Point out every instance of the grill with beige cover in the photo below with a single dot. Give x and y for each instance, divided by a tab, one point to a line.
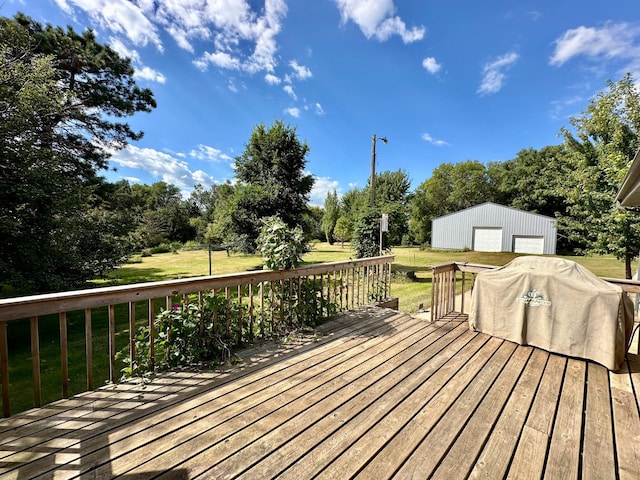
554	304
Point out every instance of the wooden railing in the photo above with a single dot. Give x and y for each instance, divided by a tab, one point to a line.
446	286
346	284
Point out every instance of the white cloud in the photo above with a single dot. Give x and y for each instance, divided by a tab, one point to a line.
120	17
161	165
141	71
492	73
147	73
123	50
240	36
272	79
218	59
613	40
375	19
299	71
293	111
321	187
205	152
428	138
289	90
431	65
232	25
319	109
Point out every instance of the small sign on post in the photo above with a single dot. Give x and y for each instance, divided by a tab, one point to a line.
384	227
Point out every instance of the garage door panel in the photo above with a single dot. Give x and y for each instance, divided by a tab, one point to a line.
486	239
528	244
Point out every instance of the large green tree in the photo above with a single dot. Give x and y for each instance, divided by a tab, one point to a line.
272	181
393	197
533	180
61	97
452	187
601	145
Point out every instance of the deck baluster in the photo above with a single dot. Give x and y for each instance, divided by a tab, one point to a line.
4	369
64	355
35	361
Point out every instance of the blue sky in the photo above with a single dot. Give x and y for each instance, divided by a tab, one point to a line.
443	81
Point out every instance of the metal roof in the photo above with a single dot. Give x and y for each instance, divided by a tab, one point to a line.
629	193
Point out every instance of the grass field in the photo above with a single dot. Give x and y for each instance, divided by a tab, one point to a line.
192	263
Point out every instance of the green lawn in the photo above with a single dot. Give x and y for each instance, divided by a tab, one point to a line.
411	293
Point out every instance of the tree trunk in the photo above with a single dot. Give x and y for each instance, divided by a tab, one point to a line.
627	265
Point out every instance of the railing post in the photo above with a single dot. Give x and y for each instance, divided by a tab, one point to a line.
64	355
112	343
4	369
132	335
35	361
152	334
88	347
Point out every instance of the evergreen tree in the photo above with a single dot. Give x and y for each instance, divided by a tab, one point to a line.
61	95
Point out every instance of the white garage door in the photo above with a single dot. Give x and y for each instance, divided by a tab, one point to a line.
487	239
522	244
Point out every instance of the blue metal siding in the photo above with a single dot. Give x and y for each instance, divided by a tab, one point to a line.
455	231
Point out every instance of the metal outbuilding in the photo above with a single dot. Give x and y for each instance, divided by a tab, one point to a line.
490	227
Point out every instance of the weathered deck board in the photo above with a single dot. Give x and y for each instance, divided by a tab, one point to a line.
374	395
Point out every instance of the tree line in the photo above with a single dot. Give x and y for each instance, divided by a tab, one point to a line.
63	98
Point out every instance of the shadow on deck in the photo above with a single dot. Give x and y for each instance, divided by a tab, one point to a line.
371	394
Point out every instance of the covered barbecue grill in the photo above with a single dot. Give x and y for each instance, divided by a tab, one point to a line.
554	304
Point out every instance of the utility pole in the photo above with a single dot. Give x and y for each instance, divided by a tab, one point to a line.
372	181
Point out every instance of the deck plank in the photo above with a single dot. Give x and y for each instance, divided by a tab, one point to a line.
563	460
528	461
626	422
426	409
354	440
315	425
598	458
497	453
95	452
165	437
434	447
470	439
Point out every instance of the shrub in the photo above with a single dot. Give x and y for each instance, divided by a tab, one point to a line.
281	247
162	248
188	334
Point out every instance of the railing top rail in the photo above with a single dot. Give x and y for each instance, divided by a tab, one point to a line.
629	286
463	266
36	305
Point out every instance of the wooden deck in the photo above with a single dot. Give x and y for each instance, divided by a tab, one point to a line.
375	394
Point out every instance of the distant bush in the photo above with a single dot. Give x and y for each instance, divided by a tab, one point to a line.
135	259
145	253
193	245
163	248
